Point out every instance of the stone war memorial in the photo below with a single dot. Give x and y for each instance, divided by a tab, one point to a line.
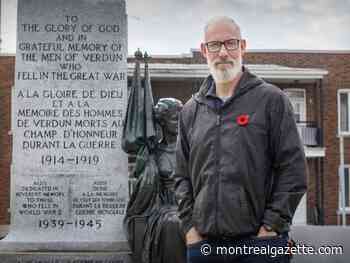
69	176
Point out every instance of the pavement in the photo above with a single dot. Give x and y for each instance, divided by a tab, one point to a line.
333	242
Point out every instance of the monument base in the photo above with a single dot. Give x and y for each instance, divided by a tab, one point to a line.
8	246
65	257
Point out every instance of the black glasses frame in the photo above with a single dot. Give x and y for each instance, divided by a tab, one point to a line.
222	43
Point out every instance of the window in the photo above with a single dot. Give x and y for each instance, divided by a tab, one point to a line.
343	112
346	187
298	100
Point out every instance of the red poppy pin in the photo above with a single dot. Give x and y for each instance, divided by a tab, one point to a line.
243	120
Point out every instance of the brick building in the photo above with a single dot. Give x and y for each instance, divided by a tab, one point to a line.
317	83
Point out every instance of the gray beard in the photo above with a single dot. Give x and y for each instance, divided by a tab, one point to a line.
225	75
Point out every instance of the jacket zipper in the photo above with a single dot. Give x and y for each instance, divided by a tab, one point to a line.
217	163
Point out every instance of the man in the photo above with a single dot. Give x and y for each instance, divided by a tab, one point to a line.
241	169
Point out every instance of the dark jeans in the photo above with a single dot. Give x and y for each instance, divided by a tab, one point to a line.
243	250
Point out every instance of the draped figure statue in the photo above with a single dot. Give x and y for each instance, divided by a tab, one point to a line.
150	132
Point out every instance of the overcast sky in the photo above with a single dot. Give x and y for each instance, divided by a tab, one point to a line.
174	27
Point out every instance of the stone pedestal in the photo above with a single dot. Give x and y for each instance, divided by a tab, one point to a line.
67	257
69	178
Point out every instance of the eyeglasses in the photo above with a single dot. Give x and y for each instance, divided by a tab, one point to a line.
230	44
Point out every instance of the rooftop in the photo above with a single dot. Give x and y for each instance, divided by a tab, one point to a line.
266	71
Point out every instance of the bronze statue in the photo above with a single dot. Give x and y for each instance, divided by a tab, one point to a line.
152	207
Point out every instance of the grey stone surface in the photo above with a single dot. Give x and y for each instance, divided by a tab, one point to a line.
65	258
69	177
325	238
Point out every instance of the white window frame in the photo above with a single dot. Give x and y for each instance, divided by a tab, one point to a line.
303	118
347	91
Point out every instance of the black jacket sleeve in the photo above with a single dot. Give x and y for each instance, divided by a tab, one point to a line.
289	165
183	185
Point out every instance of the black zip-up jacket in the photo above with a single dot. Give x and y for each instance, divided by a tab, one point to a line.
240	164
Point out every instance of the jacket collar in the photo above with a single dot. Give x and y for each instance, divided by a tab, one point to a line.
207	90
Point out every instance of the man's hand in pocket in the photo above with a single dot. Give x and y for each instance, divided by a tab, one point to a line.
192	236
263	232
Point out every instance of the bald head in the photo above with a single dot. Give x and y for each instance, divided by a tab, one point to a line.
222	20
